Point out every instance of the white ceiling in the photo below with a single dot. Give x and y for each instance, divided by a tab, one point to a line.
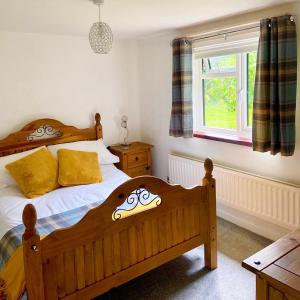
127	18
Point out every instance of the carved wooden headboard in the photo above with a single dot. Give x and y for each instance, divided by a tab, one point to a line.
45	132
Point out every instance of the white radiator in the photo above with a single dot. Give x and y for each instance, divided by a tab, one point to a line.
267	207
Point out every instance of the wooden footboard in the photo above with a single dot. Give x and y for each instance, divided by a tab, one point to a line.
99	253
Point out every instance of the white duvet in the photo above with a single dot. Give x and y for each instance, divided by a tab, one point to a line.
12	201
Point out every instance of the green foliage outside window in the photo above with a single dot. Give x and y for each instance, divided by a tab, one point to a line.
251	61
220	102
220	92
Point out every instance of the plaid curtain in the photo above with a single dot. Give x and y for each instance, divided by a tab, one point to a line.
182	103
275	87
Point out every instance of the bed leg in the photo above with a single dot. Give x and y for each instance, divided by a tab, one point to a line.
32	255
210	247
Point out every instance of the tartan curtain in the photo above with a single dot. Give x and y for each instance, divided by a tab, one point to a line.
181	124
274	103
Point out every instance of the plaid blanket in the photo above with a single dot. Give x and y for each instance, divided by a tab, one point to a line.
13	238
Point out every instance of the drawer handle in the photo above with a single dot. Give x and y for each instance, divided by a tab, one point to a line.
147	168
136	159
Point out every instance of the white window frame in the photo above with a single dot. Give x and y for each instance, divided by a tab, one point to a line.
241	51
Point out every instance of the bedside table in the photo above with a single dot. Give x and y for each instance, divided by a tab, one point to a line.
134	161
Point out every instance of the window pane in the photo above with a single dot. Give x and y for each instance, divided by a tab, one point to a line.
219	64
220	102
251	67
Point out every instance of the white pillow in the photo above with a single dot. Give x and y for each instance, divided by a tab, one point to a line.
5	178
104	155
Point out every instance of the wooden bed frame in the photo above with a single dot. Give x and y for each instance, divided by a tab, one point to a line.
99	253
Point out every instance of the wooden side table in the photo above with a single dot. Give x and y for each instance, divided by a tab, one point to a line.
134	161
277	269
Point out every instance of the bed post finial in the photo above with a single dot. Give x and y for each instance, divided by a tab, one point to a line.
208	166
97	119
29	220
98	126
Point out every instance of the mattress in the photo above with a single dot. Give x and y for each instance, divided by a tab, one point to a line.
12	201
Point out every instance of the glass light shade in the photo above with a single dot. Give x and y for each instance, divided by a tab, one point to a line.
101	38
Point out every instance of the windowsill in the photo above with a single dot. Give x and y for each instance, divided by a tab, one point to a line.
224	138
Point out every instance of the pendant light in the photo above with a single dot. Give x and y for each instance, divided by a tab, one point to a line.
101	37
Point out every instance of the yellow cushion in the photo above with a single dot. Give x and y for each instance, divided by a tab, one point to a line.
78	167
35	174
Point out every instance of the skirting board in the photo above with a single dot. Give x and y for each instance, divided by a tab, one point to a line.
252	223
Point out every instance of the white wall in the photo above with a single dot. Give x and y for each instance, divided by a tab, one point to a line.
60	77
155	73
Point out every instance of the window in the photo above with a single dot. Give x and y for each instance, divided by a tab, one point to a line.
223	92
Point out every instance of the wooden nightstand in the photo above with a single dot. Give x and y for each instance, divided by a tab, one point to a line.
134	161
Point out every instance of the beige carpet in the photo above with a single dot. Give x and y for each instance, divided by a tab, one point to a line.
185	277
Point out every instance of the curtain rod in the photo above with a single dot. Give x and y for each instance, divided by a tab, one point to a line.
224	33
